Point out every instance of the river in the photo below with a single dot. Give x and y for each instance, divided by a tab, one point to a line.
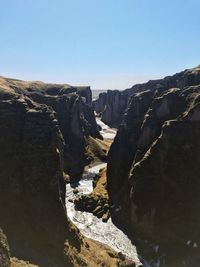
90	225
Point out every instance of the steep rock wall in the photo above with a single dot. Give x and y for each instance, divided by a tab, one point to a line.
74	112
32	188
153	170
112	105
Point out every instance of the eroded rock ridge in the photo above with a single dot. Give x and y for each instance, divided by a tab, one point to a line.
154	165
43	134
111	105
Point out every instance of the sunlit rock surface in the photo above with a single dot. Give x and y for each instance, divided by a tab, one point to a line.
111	105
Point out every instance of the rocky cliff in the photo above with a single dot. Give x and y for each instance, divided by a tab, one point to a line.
112	105
40	125
74	112
153	167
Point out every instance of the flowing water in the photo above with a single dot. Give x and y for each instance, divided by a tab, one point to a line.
90	225
106	131
93	227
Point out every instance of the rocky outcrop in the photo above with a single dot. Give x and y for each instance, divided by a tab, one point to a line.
5	258
153	168
77	123
34	138
97	201
112	105
31	181
74	112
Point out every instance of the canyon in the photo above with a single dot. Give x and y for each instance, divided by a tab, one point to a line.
154	160
45	136
108	182
112	104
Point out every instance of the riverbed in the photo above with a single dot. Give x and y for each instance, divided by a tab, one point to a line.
91	226
106	131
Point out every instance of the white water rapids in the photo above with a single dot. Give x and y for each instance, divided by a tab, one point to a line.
106	131
90	225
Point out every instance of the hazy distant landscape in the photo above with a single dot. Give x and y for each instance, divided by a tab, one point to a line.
95	93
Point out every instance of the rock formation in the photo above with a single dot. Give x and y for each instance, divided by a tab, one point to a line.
112	105
97	201
73	112
31	180
4	250
153	167
39	125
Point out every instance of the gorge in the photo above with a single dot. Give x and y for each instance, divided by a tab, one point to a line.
108	182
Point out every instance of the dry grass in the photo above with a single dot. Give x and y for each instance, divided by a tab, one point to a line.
19	263
100	186
8	84
93	253
97	149
105	144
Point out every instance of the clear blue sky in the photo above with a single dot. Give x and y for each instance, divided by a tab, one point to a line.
102	43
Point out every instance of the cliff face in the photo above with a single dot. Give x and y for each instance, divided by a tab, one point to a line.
31	181
39	125
112	105
153	167
74	112
77	122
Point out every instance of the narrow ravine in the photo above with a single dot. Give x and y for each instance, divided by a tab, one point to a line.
94	228
90	225
106	131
